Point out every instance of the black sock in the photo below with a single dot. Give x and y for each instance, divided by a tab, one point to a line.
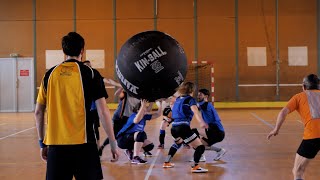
161	138
197	154
172	151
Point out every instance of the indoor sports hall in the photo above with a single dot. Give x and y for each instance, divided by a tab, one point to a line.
252	55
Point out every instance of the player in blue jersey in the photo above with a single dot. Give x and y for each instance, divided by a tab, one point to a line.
132	136
184	108
215	133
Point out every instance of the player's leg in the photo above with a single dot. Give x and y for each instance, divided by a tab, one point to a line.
162	135
147	147
139	138
211	136
194	141
174	148
307	150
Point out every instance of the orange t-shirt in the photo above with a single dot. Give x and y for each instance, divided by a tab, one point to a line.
300	103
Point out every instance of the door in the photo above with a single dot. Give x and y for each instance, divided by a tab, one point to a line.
17	85
25	89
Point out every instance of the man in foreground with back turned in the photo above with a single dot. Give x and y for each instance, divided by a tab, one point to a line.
66	92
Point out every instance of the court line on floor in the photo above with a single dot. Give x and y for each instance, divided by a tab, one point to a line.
257	124
152	164
17	133
262	120
3	124
300	121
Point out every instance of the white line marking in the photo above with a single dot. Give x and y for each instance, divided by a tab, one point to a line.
17	133
265	85
300	121
152	164
262	120
265	133
258	124
3	124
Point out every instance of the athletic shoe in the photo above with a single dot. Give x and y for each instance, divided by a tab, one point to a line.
129	154
202	159
138	160
198	169
168	165
161	146
220	154
147	154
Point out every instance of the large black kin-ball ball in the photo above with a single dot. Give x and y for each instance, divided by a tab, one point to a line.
151	65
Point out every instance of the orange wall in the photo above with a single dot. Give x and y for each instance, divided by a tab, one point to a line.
215	38
16	30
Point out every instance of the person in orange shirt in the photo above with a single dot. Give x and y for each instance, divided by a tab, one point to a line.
307	103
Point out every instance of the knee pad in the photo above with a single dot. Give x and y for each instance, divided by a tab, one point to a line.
148	147
195	130
200	149
141	136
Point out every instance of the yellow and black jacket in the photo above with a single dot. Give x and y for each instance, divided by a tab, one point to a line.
68	90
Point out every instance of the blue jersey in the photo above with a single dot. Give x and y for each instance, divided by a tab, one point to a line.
131	127
209	114
181	110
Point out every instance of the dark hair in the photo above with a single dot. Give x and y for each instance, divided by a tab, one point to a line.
136	107
311	82
205	92
72	44
186	88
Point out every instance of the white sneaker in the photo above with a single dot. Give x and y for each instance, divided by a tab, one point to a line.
220	154
202	159
198	169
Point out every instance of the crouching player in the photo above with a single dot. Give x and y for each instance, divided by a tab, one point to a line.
132	136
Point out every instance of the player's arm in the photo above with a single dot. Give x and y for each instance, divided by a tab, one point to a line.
111	82
198	116
141	111
39	116
280	119
118	91
105	117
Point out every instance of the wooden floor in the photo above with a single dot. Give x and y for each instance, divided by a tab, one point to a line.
250	155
